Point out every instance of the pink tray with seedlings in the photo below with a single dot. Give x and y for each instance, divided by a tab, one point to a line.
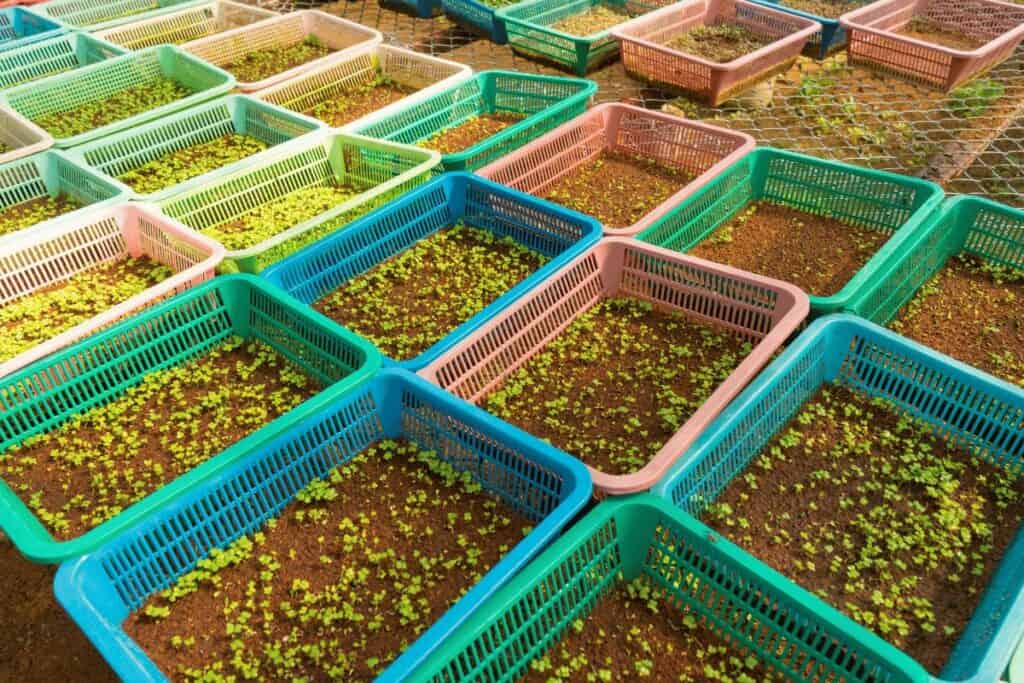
943	43
49	258
743	43
692	151
761	311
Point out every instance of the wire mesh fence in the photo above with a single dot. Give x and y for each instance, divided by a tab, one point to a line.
970	140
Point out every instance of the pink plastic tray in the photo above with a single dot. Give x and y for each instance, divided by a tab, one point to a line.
767	311
645	55
872	38
64	248
698	148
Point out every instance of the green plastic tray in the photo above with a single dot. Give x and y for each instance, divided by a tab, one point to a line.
528	26
966	224
382	171
896	205
740	598
68	91
547	102
50	57
101	368
115	155
99	14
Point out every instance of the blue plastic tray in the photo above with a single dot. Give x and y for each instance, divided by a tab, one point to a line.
477	17
831	37
549	229
20	26
978	411
101	589
424	9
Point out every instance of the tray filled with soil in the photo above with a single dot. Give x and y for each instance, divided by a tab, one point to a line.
824	226
942	43
277	49
575	35
959	288
298	193
81	274
637	590
623	165
488	116
623	356
349	546
95	15
186	150
371	84
832	36
20	26
116	94
420	274
46	186
479	17
100	435
185	25
713	49
885	480
51	57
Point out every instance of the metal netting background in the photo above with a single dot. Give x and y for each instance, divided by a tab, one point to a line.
970	140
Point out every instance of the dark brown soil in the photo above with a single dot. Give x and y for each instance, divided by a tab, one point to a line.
720	42
256	66
355	569
618	382
411	301
345	108
469	132
816	253
827	9
90	468
922	28
34	211
617	189
892	525
972	311
39	642
636	634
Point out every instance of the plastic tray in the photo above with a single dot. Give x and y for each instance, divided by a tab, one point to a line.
873	39
965	224
832	36
102	589
117	154
430	75
763	310
528	26
334	32
49	57
645	54
100	368
979	412
892	203
743	600
182	26
52	173
477	17
424	9
547	101
549	229
20	26
100	14
20	136
68	91
385	169
698	148
67	247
